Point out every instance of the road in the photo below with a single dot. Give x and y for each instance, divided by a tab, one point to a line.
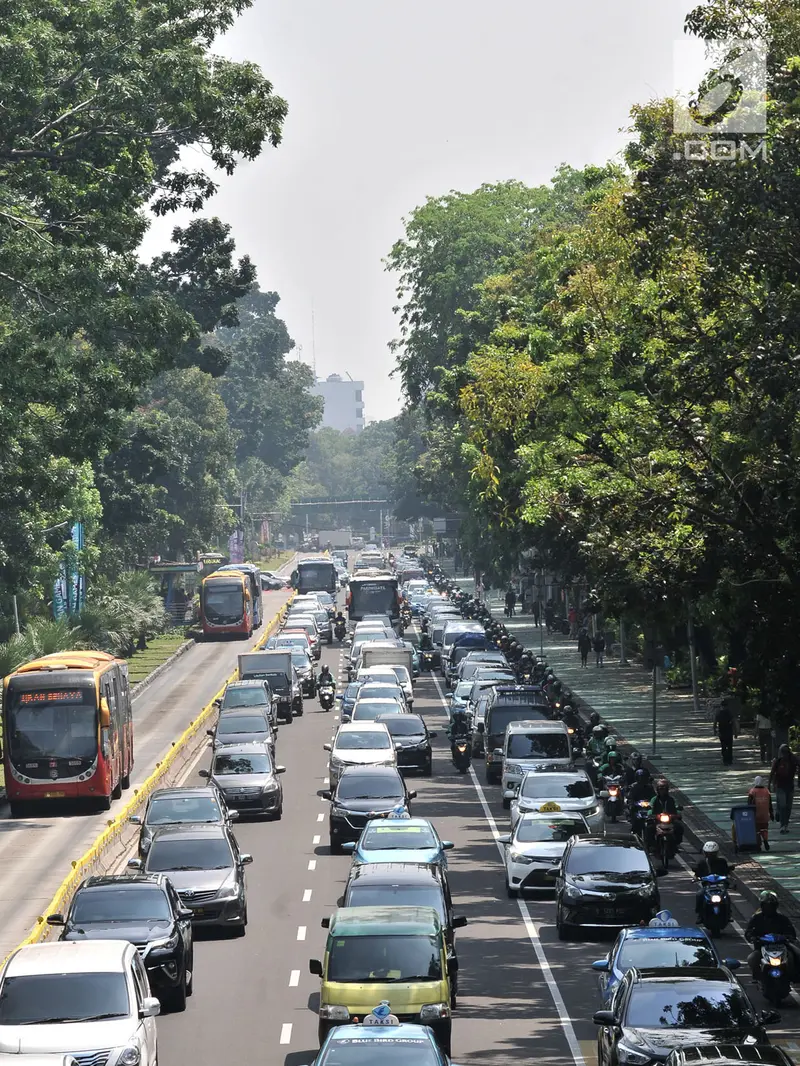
35	853
522	993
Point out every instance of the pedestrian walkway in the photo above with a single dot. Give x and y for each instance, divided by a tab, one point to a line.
686	750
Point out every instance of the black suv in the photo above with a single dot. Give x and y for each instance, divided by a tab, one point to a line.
412	741
604	882
361	793
192	805
146	910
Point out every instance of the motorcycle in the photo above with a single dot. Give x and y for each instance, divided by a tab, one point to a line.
327	695
462	754
613	796
715	908
665	844
340	631
774	968
640	814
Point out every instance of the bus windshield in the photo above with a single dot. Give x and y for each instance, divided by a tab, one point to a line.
373	597
223	602
316	576
50	723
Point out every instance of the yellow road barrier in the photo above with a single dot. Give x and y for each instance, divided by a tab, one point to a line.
66	889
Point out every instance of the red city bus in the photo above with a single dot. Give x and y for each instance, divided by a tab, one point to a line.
68	730
226	606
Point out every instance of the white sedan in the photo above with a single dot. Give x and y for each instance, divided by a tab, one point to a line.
536	846
360	744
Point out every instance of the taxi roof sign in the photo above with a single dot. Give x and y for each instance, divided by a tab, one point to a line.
549	808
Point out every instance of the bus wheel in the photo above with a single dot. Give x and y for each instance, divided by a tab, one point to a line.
104	803
17	810
126	780
116	792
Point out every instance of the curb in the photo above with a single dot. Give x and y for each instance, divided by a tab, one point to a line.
145	683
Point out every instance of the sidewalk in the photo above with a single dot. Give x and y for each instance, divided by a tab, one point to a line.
687	753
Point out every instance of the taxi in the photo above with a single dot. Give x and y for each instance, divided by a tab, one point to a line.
392	1043
400	840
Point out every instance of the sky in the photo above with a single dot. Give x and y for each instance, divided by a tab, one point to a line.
391	101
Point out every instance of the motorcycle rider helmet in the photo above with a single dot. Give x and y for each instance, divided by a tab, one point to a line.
557	687
635	759
610	743
598	733
567	708
662	786
768	901
642	774
594	720
711	847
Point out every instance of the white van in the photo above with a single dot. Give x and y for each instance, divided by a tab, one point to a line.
528	745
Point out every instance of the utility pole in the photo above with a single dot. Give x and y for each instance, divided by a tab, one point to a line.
692	656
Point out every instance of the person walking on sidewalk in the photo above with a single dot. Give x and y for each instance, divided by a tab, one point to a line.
584	646
572	618
535	610
599	648
781	778
760	798
511	601
549	616
725	727
764	737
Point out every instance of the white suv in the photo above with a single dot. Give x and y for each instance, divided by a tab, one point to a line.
360	744
89	1000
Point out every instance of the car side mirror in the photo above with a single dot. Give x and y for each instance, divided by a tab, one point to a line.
327	747
458	921
325	794
552	873
184	912
325	923
280	769
209	732
412	795
509	794
397	745
245	859
315	967
447	845
732	964
204	773
604	1017
217	703
135	864
233	816
135	819
433	735
151	1007
505	839
498	753
56	919
769	1017
601	965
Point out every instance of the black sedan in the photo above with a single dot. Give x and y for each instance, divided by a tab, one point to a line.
413	741
656	1011
363	793
604	882
146	910
181	806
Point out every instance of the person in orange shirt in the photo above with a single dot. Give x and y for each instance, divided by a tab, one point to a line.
760	798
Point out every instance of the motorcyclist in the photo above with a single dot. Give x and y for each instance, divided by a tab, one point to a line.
597	742
634	763
768	920
612	767
514	652
425	642
526	663
663	803
459	725
640	791
325	677
712	862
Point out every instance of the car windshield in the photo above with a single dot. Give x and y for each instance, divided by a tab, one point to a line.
164	810
383	959
250	696
556	786
202	854
383	787
556	831
351	691
40	999
381	692
462	690
689	1005
257	763
608	859
662	952
402	674
120	903
397	837
361	741
368	711
300	660
538	746
405	725
242	723
370	895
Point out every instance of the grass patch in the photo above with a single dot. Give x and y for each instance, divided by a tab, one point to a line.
276	561
143	663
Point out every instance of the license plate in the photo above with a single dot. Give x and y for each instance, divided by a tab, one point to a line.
54	795
199	911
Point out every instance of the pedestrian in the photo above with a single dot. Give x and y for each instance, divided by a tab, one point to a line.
599	645
726	728
763	735
584	646
536	609
549	616
572	618
760	798
511	601
781	778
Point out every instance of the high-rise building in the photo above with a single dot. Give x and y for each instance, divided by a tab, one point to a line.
344	403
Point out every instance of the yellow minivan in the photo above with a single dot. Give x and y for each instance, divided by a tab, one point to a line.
394	953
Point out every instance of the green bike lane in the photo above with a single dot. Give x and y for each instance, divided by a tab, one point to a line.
686	750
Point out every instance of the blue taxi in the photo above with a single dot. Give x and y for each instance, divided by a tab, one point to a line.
391	1045
399	840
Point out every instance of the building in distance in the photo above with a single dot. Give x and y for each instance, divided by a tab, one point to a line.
344	403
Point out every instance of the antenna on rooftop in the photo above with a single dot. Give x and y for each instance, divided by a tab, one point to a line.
313	340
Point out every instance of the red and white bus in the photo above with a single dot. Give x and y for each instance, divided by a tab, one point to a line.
226	604
67	730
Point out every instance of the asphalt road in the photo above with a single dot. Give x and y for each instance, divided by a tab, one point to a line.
523	995
35	853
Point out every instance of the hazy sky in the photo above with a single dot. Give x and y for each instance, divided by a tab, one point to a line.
391	101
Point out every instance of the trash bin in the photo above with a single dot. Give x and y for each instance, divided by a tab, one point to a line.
743	828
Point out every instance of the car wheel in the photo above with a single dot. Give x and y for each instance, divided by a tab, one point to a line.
336	847
278	814
512	893
506	804
190	978
176	998
288	721
427	770
563	930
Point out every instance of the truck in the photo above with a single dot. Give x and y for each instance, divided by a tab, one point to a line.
336	538
276	668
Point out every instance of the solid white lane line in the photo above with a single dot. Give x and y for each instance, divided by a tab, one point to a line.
326	780
307	896
320	817
286	1032
316	839
312	864
530	928
301	932
294	979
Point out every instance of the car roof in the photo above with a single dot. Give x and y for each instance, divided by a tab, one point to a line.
361	727
672	974
538	816
554	770
597	841
377	700
533	725
191	831
733	1053
369	921
69	957
247	682
399	822
405	1031
250	748
396	873
391	718
670	932
368	771
140	880
184	792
